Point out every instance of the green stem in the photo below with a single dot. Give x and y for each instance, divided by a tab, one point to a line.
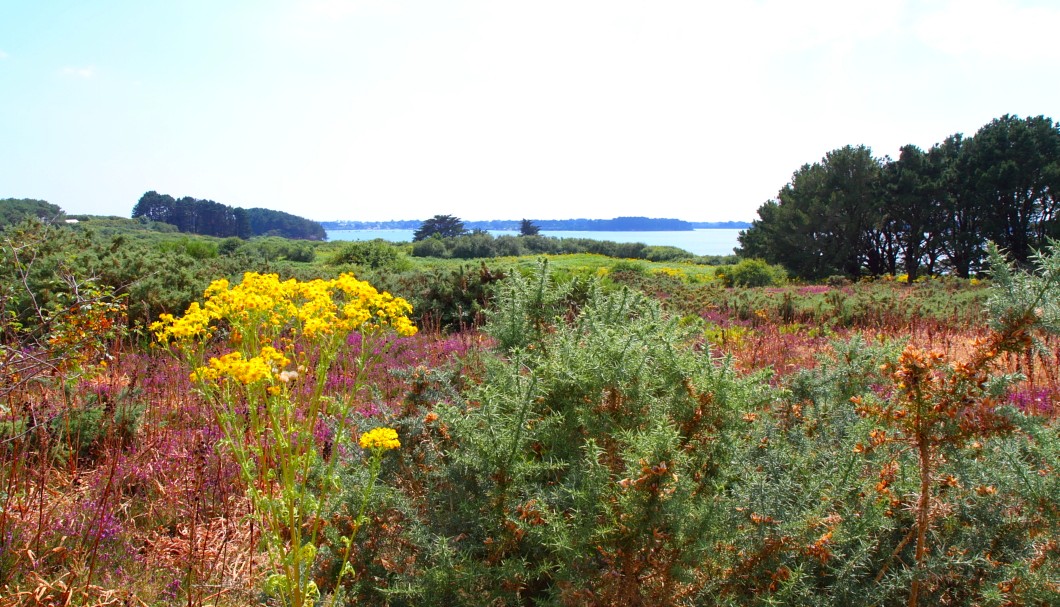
376	465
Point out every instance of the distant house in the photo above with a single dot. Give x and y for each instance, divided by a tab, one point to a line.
72	221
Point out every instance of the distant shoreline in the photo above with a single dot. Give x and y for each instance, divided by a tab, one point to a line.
702	241
618	224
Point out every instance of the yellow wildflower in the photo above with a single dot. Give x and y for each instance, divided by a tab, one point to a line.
245	371
382	439
262	302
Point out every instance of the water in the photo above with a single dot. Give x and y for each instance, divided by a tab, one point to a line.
699	242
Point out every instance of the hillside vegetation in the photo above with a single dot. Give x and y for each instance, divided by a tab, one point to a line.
189	420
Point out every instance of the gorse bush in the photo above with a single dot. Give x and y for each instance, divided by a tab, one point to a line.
585	467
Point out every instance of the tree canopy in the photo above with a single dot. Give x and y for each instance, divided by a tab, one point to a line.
854	214
528	228
443	226
14	210
215	219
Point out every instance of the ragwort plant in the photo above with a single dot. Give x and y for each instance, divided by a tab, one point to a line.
585	468
288	437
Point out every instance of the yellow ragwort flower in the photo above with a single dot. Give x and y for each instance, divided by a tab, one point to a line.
245	371
263	303
382	439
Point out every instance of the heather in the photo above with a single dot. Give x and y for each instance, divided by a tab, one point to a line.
581	433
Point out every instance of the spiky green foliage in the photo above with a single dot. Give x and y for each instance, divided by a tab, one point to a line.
586	466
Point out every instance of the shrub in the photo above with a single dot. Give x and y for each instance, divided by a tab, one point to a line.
430	247
584	468
373	255
666	253
753	273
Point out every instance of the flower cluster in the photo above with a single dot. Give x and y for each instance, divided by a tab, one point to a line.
195	323
382	439
245	371
316	307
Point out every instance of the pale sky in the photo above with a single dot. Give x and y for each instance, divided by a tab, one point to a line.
391	109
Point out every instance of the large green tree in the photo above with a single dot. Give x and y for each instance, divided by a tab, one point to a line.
528	228
826	221
1013	168
913	208
443	226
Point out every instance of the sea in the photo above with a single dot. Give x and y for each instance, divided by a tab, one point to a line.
698	242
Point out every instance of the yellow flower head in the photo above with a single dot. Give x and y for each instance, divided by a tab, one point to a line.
382	439
245	371
263	304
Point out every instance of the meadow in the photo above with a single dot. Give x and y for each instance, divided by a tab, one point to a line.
194	421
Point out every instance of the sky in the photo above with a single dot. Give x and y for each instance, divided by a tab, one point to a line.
493	109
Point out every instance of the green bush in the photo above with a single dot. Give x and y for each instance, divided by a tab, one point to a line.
665	253
587	462
372	255
752	273
430	247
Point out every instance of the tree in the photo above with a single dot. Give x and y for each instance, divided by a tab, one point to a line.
155	207
527	228
1013	166
215	219
14	210
443	226
964	219
824	222
913	207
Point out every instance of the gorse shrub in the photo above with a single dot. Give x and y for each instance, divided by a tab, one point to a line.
896	476
453	299
585	467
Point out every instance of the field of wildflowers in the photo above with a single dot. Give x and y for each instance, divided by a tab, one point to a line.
627	437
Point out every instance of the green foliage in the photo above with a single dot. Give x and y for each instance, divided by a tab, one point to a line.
372	255
666	253
752	273
528	228
931	211
819	222
442	226
82	431
587	462
628	267
214	219
1037	292
451	299
431	247
481	245
14	210
196	249
273	248
827	508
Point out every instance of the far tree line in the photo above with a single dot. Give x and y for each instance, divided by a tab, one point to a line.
211	218
927	212
450	226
